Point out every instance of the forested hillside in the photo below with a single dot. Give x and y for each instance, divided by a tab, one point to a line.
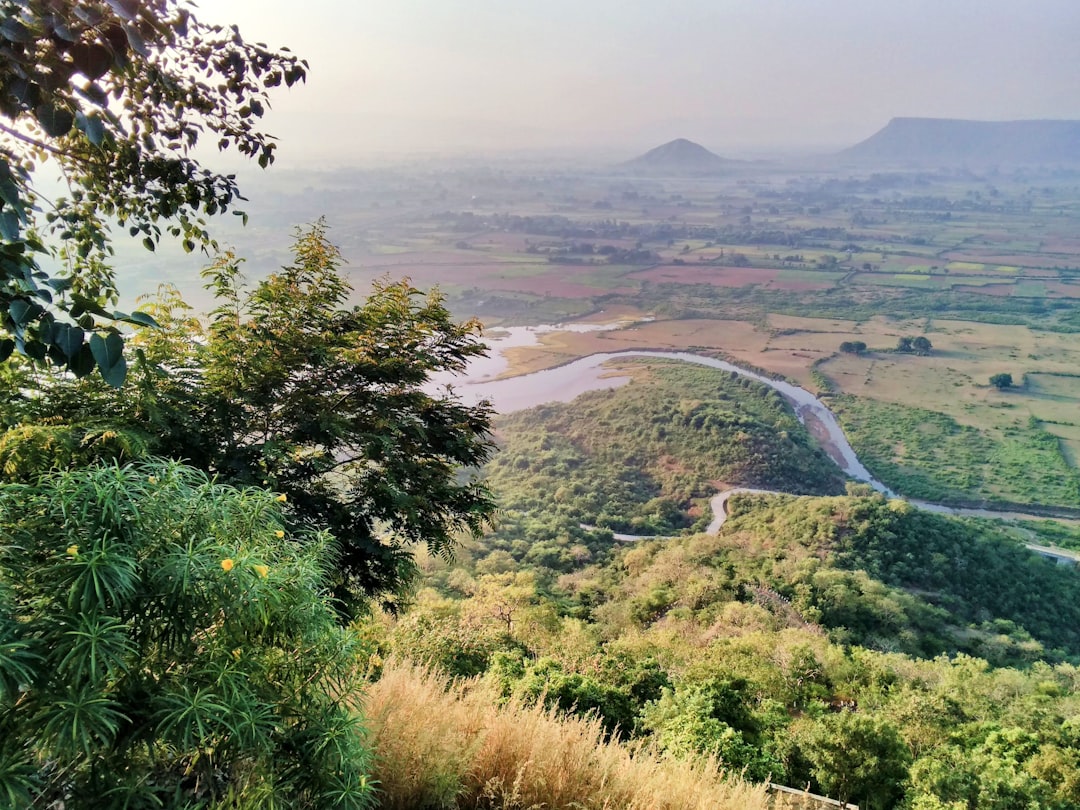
642	458
880	654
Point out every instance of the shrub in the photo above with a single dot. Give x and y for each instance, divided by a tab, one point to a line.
163	643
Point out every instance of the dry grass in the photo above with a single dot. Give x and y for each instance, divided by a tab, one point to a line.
954	378
440	746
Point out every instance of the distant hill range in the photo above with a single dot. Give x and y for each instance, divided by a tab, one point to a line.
680	157
952	141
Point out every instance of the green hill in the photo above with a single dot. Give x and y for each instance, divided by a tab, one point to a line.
876	653
912	580
644	458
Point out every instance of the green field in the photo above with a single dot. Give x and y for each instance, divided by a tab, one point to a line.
923	280
927	454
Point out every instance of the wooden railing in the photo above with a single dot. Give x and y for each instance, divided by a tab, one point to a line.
793	799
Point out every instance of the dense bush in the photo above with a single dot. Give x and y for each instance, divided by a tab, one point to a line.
164	642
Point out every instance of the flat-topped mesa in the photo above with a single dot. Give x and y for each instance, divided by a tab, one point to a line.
681	157
943	141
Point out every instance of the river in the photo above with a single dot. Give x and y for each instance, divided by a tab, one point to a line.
565	383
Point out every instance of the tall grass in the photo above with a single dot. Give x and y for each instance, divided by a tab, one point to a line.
440	745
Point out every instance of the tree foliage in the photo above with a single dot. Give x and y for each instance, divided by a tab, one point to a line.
858	758
711	717
292	389
163	643
920	345
1001	381
113	95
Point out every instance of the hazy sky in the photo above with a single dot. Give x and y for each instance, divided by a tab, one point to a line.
740	76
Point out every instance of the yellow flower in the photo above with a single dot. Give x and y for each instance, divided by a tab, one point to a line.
73	551
282	497
152	479
226	565
279	534
262	570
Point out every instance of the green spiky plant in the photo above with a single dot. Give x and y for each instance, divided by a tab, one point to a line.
163	643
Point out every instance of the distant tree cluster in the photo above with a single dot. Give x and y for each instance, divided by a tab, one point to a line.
918	345
853	347
580	253
1002	381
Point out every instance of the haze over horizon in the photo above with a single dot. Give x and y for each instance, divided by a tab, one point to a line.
459	76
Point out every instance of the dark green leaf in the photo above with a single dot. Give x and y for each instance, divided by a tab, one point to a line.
125	9
135	40
92	126
23	311
95	93
148	243
35	349
14	31
109	356
9	193
90	16
57	356
92	59
25	91
140	318
63	31
7	346
9	225
69	339
88	305
82	363
56	121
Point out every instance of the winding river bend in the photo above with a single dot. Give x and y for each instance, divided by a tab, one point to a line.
566	382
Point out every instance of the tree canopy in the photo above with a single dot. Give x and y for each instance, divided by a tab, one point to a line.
290	388
917	345
1001	381
113	95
